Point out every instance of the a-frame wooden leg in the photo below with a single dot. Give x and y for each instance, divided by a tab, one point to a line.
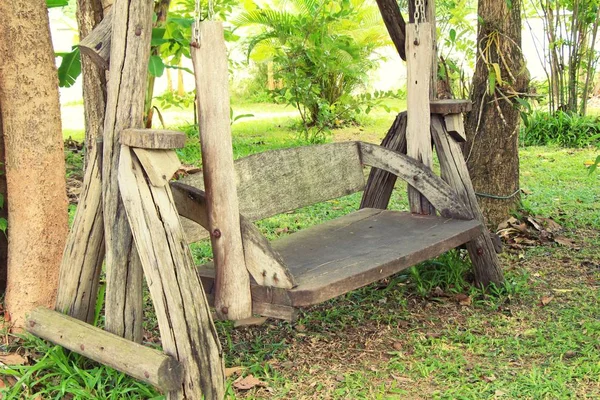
454	171
186	327
380	184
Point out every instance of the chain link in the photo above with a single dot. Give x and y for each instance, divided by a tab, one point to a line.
211	10
418	16
197	19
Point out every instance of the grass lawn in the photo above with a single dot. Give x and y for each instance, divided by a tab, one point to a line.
424	333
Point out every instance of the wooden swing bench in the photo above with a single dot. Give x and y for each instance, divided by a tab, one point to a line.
324	261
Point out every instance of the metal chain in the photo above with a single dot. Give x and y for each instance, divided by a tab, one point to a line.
197	19
419	14
211	10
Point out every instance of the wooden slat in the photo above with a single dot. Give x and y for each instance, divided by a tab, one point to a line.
96	45
454	171
186	328
84	251
143	363
450	106
355	250
419	52
153	138
264	264
438	192
129	55
381	183
160	165
455	127
232	296
277	181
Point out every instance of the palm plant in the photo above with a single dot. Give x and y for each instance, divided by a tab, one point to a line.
321	50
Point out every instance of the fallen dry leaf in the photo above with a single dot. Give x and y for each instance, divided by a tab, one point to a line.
563	241
397	346
463	299
248	382
12	359
545	300
500	393
233	371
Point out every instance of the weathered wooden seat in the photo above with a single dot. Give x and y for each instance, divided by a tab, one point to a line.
325	261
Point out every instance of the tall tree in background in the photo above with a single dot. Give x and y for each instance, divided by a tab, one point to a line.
493	126
35	165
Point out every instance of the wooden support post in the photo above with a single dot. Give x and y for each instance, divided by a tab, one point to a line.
454	171
96	45
143	363
395	24
84	252
186	328
380	185
418	58
130	51
232	296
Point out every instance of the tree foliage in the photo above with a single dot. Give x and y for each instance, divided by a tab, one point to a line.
322	52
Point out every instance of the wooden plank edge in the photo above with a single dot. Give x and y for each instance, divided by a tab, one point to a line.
143	363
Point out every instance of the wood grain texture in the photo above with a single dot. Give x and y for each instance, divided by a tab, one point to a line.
232	296
147	365
278	181
455	127
130	49
84	252
450	106
419	49
438	192
264	264
186	328
160	165
344	254
153	138
380	184
96	45
395	24
454	171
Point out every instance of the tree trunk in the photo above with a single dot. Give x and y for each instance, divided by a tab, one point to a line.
35	165
493	125
3	210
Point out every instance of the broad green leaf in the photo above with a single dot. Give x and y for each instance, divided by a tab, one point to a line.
594	166
492	82
56	3
69	69
1	200
453	35
3	225
156	66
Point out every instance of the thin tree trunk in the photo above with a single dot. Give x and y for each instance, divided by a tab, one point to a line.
35	165
493	125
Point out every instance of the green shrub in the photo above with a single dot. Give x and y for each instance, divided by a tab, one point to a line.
561	128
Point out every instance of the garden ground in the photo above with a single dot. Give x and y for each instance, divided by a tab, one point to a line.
424	333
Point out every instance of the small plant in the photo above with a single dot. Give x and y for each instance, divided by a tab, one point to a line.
3	221
561	128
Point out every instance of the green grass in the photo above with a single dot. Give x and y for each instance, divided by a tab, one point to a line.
409	335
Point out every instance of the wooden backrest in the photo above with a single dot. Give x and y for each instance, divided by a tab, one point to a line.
277	181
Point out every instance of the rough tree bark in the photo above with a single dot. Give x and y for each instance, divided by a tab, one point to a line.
35	165
492	126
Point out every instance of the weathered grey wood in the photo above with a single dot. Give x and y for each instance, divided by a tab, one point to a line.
344	254
143	363
419	50
278	181
232	296
450	106
96	45
153	138
438	192
380	184
455	127
160	165
395	24
277	311
186	328
84	252
454	171
264	264
130	49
